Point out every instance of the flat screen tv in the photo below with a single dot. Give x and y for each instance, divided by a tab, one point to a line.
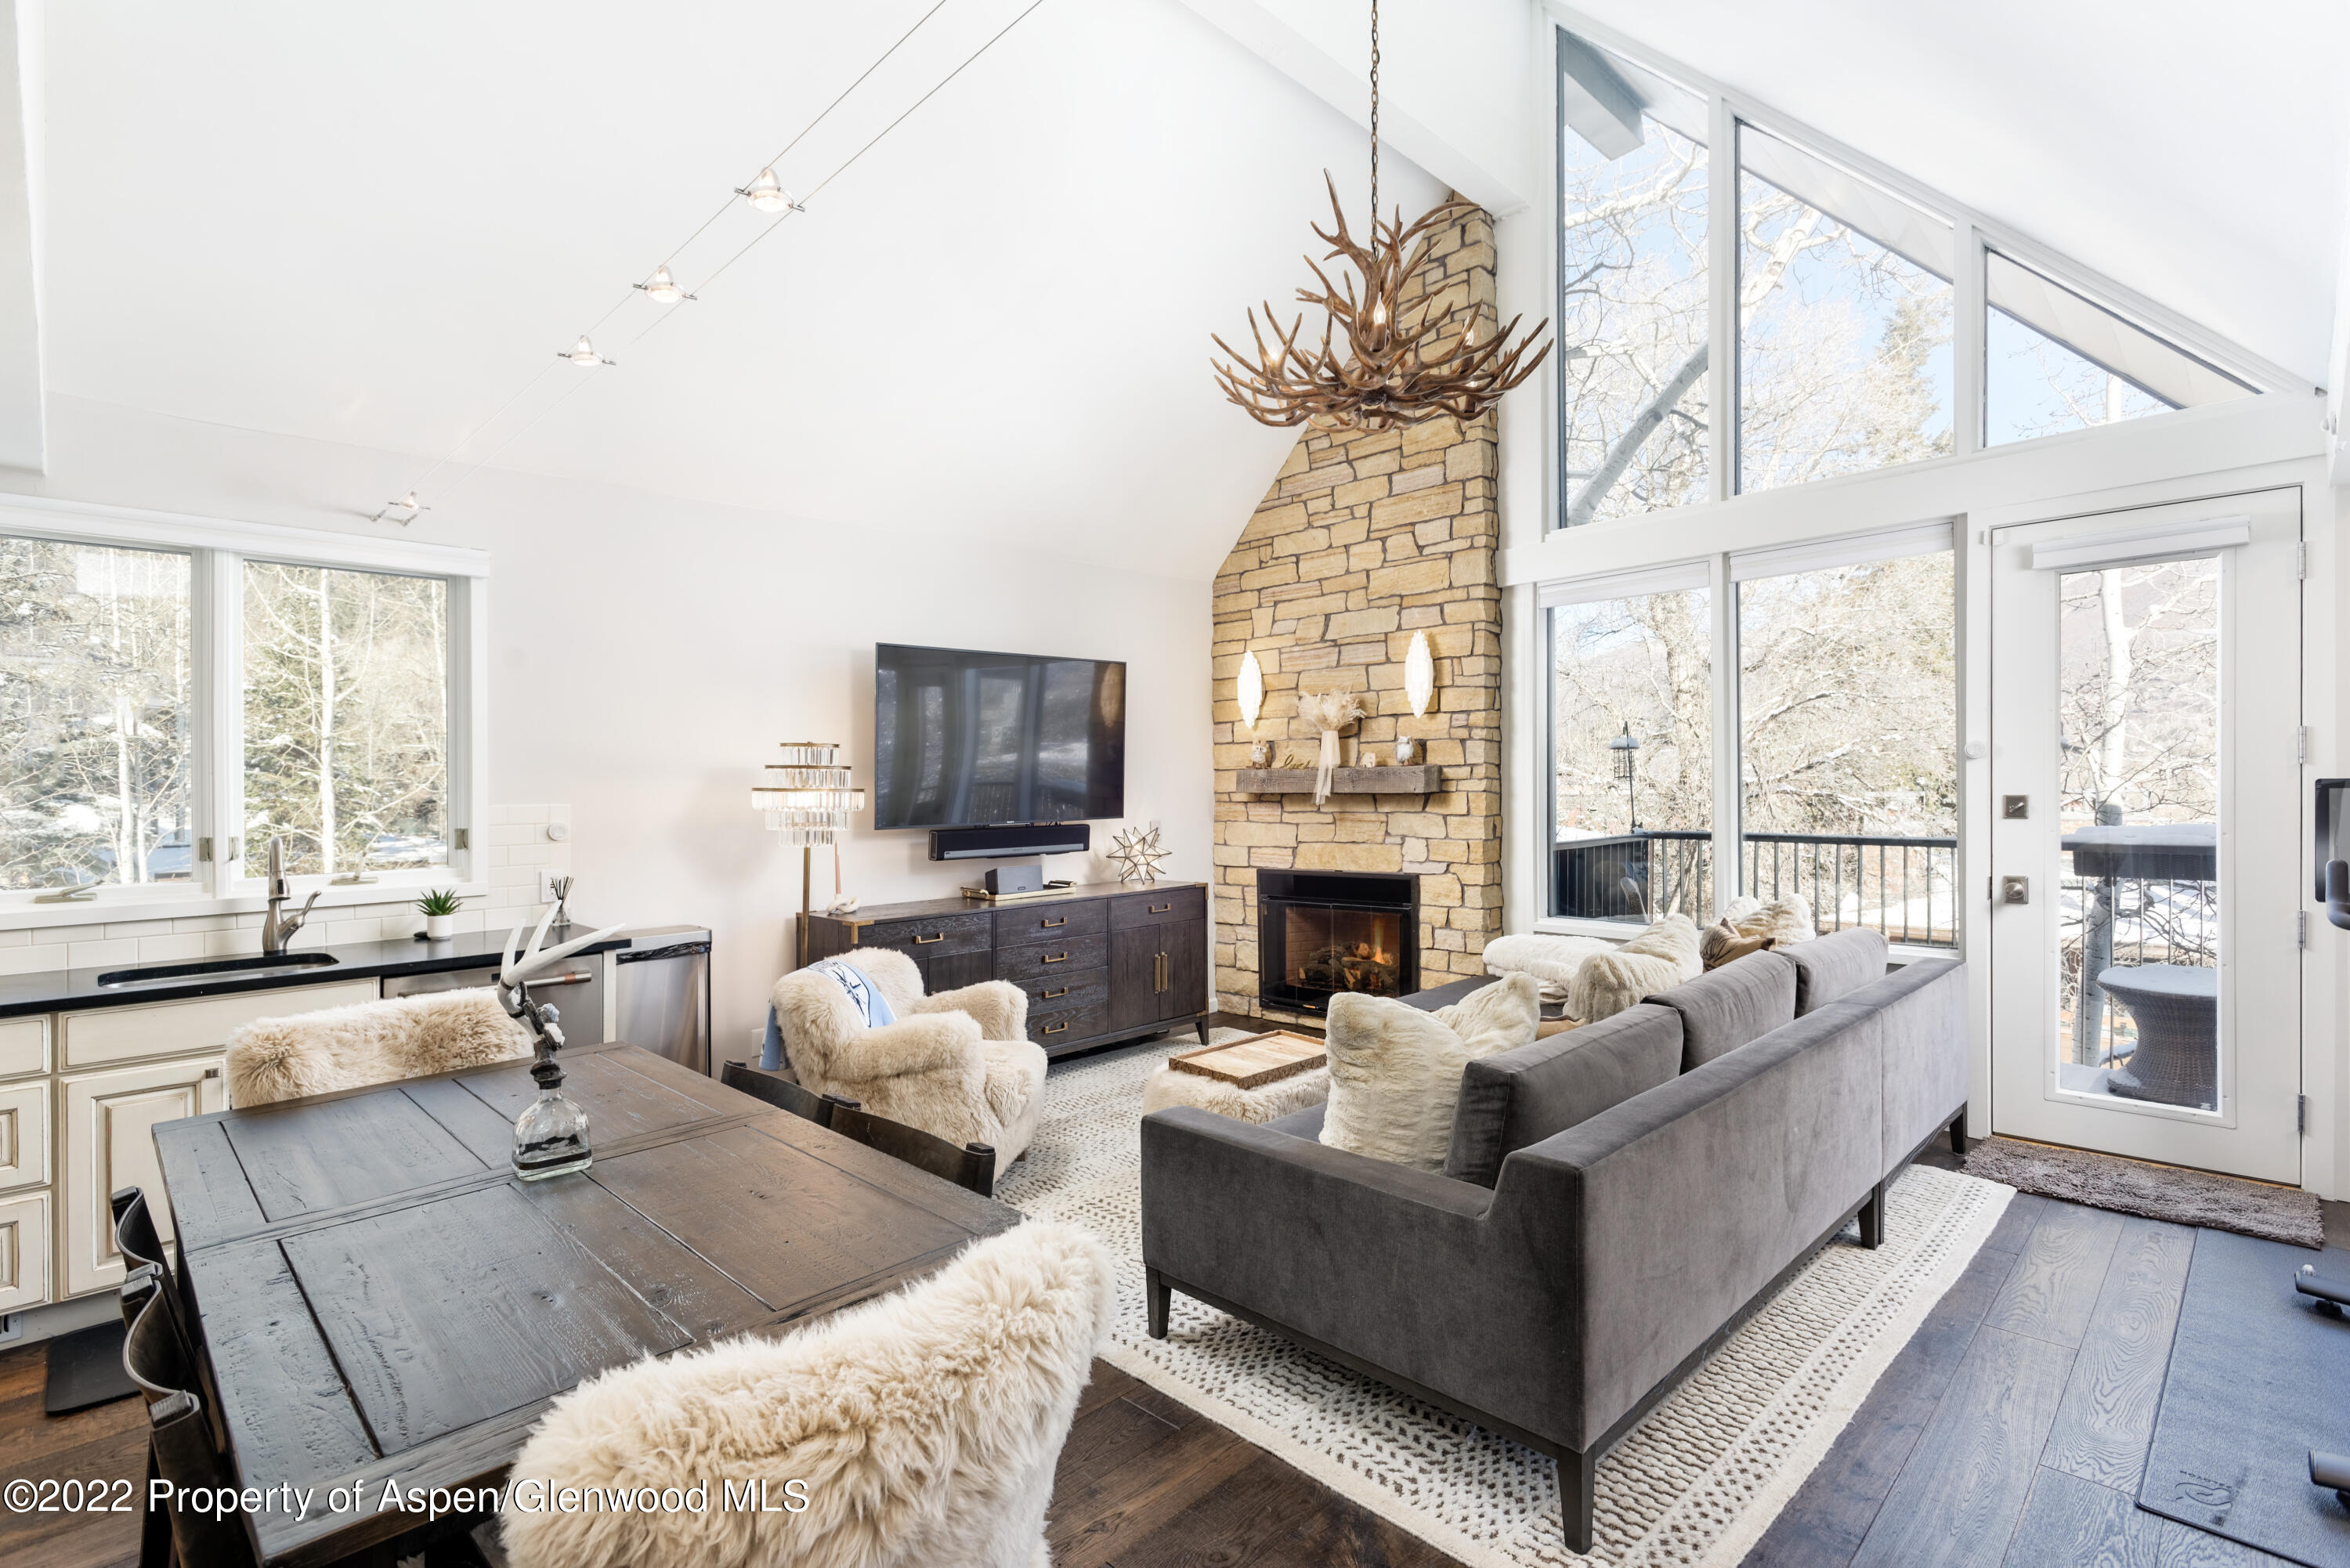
965	739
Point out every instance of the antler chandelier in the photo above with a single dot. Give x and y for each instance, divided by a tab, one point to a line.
1401	364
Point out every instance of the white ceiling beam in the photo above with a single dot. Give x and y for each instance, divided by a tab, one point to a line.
22	442
1266	30
1597	103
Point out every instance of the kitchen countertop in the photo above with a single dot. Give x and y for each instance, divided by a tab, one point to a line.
68	990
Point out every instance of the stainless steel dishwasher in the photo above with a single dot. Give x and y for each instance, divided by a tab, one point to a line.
661	993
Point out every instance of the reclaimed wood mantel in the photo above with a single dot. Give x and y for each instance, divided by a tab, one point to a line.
1422	778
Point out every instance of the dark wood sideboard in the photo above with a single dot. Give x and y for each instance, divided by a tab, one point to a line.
1100	962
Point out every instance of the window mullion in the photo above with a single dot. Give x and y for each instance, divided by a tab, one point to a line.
221	745
1729	800
1968	328
1722	298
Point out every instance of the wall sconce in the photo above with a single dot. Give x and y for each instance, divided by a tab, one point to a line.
1252	690
1420	675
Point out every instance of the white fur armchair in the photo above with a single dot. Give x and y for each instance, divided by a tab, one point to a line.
921	1431
958	1064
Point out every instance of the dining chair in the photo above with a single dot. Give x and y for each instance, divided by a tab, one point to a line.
274	1059
136	1239
971	1165
180	1439
777	1091
922	1428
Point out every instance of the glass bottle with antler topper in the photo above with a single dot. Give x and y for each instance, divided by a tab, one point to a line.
550	1136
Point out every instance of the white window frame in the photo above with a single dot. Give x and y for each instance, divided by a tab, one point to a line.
1723	571
217	550
1973	233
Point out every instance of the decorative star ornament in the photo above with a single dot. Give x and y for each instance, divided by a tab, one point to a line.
1136	852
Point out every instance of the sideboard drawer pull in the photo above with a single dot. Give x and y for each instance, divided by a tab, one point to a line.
1061	921
1059	957
1050	995
939	937
1160	909
1054	1028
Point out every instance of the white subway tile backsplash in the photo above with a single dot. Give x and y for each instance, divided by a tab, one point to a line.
52	935
170	949
513	834
530	814
116	928
30	959
530	855
500	815
89	955
231	943
340	933
20	939
198	923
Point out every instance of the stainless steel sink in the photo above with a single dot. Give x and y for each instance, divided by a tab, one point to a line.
253	964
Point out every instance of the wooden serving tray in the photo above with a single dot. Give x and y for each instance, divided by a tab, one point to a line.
1257	1060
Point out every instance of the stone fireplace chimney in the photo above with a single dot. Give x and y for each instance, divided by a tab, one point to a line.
1366	538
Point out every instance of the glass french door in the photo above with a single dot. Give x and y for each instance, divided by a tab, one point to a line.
2146	789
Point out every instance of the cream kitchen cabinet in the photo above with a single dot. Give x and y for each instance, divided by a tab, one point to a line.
24	1135
105	1034
108	1142
23	1251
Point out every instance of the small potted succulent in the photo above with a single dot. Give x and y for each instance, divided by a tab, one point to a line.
439	909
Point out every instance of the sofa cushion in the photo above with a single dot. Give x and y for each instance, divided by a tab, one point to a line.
1395	1069
1518	1097
1835	966
1732	1005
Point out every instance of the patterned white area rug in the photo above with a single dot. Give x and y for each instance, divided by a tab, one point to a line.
1697	1482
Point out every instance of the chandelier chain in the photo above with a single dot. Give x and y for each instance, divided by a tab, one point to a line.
1375	116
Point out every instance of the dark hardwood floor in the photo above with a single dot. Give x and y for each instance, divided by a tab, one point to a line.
2007	1432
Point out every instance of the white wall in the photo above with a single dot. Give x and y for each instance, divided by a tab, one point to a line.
648	654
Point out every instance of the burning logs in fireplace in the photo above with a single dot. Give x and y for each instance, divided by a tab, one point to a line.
1350	966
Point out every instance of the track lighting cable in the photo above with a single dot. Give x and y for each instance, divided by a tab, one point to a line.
725	207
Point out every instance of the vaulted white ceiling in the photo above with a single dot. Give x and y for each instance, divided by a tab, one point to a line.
372	224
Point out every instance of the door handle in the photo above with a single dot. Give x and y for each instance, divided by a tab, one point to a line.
921	940
2015	889
1061	921
1054	1028
1053	995
1056	958
1159	980
1159	909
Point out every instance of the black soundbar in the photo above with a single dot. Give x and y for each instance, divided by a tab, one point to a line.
1002	843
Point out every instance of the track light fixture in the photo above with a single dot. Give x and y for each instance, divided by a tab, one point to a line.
767	193
404	511
662	288
584	353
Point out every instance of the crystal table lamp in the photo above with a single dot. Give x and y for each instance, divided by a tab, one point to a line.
808	799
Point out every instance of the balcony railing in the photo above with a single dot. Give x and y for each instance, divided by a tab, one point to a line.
1901	886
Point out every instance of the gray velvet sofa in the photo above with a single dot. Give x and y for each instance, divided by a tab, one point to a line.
1616	1200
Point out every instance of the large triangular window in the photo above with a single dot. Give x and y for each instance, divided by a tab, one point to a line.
1744	307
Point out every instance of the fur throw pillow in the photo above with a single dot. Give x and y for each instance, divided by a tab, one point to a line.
1659	958
272	1059
1552	960
1395	1071
1724	941
1784	921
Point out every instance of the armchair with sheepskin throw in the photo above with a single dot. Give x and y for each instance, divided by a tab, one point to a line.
958	1064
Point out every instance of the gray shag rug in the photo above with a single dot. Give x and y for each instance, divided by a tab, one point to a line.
2166	1193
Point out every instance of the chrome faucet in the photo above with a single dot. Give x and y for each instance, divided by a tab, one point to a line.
276	930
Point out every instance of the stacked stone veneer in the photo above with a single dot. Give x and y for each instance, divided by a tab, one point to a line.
1366	538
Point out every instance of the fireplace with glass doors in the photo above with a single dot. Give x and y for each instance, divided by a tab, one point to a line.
1323	932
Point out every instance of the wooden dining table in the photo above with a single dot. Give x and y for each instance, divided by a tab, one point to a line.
382	1301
